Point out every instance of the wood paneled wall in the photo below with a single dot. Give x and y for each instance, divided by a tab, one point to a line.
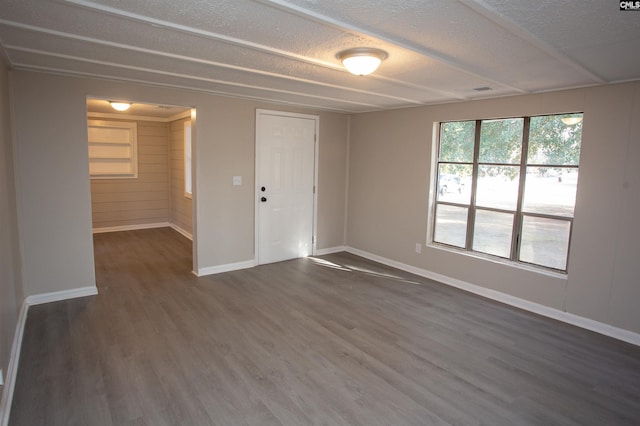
144	200
180	207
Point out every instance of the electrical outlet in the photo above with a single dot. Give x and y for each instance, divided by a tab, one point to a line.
418	248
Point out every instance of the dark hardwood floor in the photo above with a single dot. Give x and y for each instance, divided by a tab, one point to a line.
333	340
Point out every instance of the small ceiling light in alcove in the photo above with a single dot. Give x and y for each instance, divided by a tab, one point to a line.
362	60
570	121
120	106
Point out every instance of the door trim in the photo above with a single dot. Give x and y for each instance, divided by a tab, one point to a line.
316	119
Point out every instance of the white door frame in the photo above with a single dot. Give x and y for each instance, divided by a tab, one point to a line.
257	192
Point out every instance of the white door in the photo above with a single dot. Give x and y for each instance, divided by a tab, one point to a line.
285	162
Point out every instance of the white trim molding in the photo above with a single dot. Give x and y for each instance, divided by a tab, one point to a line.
566	317
181	231
55	296
131	227
144	226
12	371
210	270
329	250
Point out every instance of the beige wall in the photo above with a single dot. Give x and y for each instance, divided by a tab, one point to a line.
625	290
389	179
54	183
388	173
11	293
180	206
141	200
332	178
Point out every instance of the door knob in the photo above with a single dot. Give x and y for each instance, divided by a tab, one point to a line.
263	199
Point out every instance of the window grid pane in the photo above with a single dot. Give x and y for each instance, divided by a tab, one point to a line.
523	217
112	147
492	233
498	187
454	183
550	191
552	141
501	141
451	225
545	241
457	141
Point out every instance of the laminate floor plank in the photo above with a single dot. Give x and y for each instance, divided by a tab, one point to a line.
332	340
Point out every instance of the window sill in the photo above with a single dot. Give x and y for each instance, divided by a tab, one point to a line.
499	261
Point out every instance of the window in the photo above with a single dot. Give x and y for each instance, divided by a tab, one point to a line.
112	149
187	159
507	187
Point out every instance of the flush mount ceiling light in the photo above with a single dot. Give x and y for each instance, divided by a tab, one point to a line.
570	121
362	60
120	106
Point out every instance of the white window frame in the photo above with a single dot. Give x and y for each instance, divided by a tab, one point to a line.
518	212
131	141
188	181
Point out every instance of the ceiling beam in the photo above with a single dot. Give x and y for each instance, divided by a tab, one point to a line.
199	61
185	76
483	9
260	47
67	72
405	44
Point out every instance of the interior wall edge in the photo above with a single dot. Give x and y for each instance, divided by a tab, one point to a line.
23	282
179	230
12	371
12	279
345	228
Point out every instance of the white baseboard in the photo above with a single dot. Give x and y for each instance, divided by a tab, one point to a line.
225	268
181	231
566	317
143	226
55	296
251	263
131	227
337	249
12	370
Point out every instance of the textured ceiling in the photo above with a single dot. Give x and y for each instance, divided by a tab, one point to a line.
285	51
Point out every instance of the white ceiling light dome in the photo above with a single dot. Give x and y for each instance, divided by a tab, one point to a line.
120	106
570	121
362	60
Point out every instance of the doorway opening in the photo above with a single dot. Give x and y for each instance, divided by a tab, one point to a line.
140	167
